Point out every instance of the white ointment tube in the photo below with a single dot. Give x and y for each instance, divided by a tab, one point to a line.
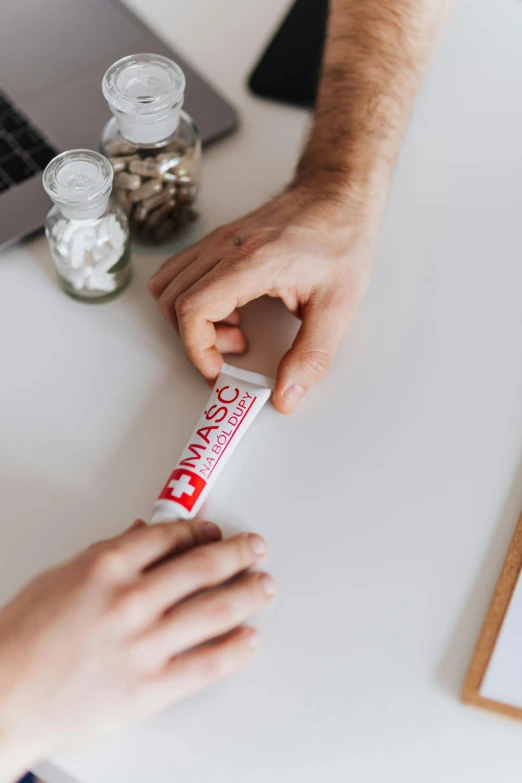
236	399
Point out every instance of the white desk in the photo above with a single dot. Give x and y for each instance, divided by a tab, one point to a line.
388	501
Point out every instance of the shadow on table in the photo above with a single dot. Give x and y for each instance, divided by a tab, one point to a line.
455	662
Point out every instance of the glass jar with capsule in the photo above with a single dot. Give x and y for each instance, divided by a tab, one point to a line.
88	233
153	146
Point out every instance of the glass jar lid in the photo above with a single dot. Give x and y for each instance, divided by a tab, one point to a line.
145	93
79	182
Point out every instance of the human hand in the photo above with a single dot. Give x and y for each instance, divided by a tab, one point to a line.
298	247
116	634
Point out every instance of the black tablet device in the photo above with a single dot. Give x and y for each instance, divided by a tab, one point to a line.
289	68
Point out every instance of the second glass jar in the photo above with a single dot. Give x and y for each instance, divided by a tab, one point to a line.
153	146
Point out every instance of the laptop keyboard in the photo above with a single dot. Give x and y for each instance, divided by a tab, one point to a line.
24	152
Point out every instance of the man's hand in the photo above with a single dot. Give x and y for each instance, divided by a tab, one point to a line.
299	247
312	246
123	630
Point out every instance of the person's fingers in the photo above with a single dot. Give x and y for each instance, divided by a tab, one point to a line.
176	264
200	568
208	616
184	279
210	533
135	525
143	547
311	353
210	300
234	319
103	542
191	672
187	277
170	270
230	339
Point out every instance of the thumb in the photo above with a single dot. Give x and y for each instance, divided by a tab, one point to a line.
310	356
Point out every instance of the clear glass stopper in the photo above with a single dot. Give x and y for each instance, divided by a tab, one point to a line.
79	182
145	93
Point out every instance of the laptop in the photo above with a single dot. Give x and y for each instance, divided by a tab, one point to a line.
53	54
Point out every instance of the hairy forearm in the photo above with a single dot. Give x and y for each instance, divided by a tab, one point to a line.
375	56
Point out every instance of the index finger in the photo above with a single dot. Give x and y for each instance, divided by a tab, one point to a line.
208	302
202	568
146	546
176	264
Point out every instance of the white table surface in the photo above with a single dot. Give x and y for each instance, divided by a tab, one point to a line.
388	500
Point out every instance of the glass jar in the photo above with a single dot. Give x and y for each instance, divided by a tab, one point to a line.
153	146
88	233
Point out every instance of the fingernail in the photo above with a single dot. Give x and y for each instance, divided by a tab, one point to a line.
292	395
211	531
253	639
268	584
257	545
